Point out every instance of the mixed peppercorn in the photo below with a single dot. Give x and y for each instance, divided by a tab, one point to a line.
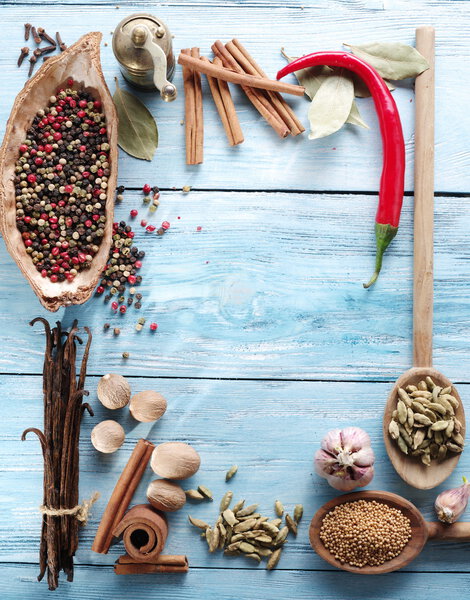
61	180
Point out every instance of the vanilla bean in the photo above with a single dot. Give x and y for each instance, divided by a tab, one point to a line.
63	408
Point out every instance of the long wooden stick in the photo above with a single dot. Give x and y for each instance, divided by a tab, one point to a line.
241	78
250	66
256	97
424	204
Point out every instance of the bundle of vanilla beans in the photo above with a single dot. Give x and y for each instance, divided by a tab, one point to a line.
63	408
232	63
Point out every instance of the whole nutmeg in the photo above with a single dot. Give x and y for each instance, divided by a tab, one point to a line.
147	406
114	391
165	495
107	436
175	460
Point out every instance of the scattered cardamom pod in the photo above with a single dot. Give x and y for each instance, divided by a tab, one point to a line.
231	472
238	506
249	510
279	508
225	502
246	547
194	495
230	517
276	522
202	489
198	523
291	524
254	556
274	559
298	512
281	536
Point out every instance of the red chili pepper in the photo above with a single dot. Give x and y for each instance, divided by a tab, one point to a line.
393	171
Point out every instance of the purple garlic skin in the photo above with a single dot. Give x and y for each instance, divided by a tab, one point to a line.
450	504
345	459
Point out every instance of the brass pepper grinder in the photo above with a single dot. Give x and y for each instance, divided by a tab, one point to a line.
142	46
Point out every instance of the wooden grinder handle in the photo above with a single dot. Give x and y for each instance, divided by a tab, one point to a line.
424	204
457	532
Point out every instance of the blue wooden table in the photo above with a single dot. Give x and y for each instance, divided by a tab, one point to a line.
266	337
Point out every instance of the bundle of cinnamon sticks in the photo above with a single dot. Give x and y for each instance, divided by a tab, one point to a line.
232	63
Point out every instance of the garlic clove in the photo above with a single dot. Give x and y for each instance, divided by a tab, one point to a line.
165	495
364	457
450	504
332	441
324	462
107	436
175	460
114	391
354	439
147	406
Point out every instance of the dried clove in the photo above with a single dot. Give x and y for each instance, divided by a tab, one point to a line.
46	36
44	50
62	46
27	29
24	53
32	62
35	35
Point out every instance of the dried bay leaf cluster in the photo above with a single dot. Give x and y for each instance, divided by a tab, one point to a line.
424	424
332	90
242	531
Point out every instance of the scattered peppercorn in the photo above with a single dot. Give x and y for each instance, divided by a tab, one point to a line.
130	300
138	296
153	327
165	225
61	178
116	331
132	291
146	189
138	327
114	305
106	326
125	355
186	189
141	321
122	309
134	213
138	305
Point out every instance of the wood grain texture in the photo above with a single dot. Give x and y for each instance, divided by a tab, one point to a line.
349	161
270	287
270	429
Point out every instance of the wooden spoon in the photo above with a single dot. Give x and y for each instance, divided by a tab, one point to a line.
410	468
421	531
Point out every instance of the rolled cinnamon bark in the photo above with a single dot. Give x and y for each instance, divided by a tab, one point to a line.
163	564
144	531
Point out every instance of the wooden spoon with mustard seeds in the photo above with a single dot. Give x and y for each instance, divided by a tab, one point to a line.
81	62
410	468
421	531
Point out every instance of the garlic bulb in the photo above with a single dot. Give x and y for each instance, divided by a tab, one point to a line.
345	459
175	460
114	391
165	495
147	406
107	436
450	504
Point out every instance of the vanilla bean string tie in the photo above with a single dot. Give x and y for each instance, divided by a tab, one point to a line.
81	512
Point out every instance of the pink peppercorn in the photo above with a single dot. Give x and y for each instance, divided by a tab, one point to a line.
122	309
198	228
143	222
70	82
100	289
138	264
134	213
132	279
166	225
70	276
81	113
150	228
23	148
114	305
31	178
82	103
58	136
44	273
153	327
146	189
53	278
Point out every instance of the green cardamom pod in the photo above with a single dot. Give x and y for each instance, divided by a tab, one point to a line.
249	510
205	491
439	425
194	495
238	506
231	472
198	523
230	517
225	502
279	508
246	547
274	559
393	430
402	412
281	536
254	556
291	524
298	512
402	445
244	526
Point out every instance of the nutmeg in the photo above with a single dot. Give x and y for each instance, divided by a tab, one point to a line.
165	495
175	460
147	406
114	391
107	436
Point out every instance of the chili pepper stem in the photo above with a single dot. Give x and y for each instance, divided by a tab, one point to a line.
384	234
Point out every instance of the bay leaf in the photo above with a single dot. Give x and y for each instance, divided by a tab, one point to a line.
355	118
331	105
393	60
137	130
311	78
360	88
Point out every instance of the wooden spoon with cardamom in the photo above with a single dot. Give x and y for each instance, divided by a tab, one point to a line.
410	468
421	531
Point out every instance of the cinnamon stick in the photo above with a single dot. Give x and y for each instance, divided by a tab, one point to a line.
163	564
225	107
256	97
241	78
250	66
198	151
122	495
193	138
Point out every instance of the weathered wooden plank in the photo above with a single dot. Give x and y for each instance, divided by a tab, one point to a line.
349	160
270	429
270	287
90	582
